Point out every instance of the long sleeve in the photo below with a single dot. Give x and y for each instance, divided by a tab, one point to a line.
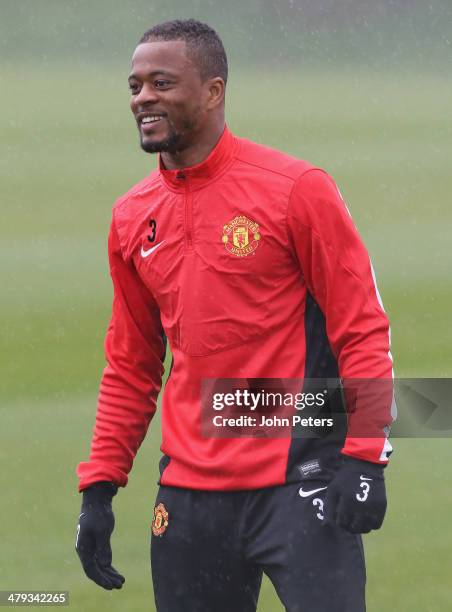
131	381
339	275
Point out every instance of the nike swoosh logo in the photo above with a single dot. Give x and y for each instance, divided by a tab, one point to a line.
149	251
364	478
308	493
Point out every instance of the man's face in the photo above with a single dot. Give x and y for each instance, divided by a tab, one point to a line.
168	96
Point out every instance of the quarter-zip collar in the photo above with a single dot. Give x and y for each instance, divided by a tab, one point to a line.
217	162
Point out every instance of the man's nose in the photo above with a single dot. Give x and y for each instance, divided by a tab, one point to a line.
147	95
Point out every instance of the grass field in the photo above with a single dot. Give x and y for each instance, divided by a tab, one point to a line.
69	149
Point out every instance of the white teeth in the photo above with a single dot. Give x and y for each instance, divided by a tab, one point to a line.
151	119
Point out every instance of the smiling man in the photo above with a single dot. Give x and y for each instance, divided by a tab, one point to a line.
247	261
177	114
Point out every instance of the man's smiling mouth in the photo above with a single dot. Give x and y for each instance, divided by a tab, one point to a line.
151	119
148	118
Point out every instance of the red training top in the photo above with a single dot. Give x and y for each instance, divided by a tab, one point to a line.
246	262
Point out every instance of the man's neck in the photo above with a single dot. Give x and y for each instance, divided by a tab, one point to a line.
195	154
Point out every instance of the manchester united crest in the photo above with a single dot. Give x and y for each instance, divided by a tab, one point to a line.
159	520
241	236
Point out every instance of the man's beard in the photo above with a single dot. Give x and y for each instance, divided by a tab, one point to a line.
168	145
175	141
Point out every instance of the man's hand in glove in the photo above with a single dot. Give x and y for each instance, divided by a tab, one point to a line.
96	523
356	497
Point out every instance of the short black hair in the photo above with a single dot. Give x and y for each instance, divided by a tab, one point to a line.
202	41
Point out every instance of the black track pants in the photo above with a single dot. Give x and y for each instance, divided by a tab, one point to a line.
211	554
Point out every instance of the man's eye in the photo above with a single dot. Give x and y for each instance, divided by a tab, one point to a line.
161	83
133	88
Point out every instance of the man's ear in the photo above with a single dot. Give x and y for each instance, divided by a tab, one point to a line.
216	90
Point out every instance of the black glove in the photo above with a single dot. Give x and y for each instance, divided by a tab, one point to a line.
96	523
356	497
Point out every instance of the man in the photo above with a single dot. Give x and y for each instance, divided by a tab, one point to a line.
248	262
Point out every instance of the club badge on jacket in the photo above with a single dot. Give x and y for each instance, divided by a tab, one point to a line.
241	236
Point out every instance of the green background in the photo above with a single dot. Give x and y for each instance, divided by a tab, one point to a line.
362	89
